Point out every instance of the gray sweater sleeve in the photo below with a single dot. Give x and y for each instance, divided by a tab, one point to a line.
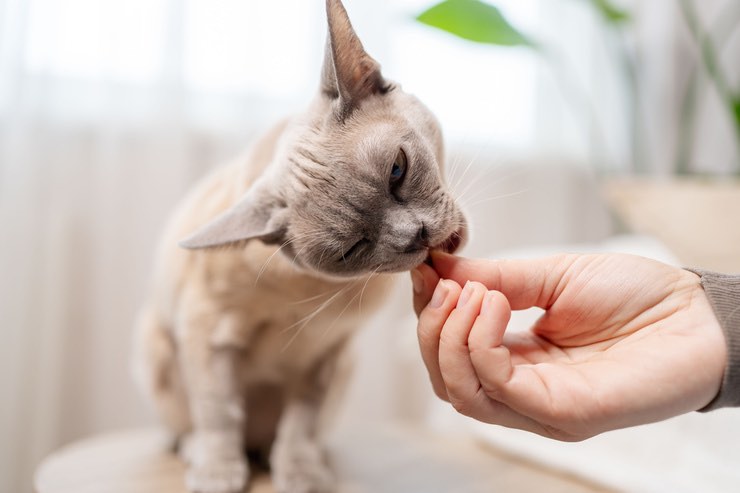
723	292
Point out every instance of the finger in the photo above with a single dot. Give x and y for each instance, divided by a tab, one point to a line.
431	320
488	329
424	279
525	283
491	361
531	390
464	389
455	366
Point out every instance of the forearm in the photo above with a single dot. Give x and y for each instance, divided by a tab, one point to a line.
723	292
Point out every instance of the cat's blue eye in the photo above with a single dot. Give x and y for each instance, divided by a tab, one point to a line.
398	170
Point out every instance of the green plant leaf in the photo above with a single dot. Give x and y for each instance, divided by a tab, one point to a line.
736	105
610	12
475	21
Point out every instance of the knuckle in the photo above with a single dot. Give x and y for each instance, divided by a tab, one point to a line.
429	321
462	406
466	403
426	333
492	392
451	335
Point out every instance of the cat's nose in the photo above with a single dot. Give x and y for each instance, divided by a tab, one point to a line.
420	241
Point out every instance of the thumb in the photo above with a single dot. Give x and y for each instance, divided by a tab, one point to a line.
525	283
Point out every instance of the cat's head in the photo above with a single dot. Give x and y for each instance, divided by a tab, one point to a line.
356	185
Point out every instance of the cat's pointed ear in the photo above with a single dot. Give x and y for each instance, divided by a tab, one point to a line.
258	215
349	74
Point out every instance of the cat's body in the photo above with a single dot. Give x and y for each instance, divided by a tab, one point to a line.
236	346
287	324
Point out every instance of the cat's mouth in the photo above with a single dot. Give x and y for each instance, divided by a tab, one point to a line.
453	242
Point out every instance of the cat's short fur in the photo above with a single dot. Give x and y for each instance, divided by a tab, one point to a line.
236	344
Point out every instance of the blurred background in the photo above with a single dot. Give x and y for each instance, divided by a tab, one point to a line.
571	125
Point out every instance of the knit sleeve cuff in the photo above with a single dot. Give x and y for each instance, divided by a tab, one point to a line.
723	292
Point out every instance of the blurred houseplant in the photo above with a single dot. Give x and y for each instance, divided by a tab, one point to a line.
482	22
689	215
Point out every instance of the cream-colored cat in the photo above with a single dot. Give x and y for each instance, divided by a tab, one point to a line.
236	344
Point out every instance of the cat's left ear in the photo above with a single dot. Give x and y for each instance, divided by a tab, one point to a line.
349	74
258	215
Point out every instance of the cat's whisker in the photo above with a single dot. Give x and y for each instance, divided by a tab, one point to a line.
458	223
471	194
305	320
483	187
294	336
364	286
297	254
286	243
361	293
336	319
454	168
312	235
324	251
460	178
481	149
484	172
312	298
269	259
499	197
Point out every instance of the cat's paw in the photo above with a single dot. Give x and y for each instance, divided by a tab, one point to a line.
301	469
186	448
222	476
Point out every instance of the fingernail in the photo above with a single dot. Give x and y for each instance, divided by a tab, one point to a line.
418	281
487	305
439	295
467	292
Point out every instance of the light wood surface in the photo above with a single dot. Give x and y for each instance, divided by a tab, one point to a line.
391	459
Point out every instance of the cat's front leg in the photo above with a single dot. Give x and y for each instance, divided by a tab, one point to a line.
216	461
298	460
213	467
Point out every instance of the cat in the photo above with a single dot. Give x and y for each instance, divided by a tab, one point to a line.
285	250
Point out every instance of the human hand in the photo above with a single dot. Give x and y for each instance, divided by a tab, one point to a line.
623	341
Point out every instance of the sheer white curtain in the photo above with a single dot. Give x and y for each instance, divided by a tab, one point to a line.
108	112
